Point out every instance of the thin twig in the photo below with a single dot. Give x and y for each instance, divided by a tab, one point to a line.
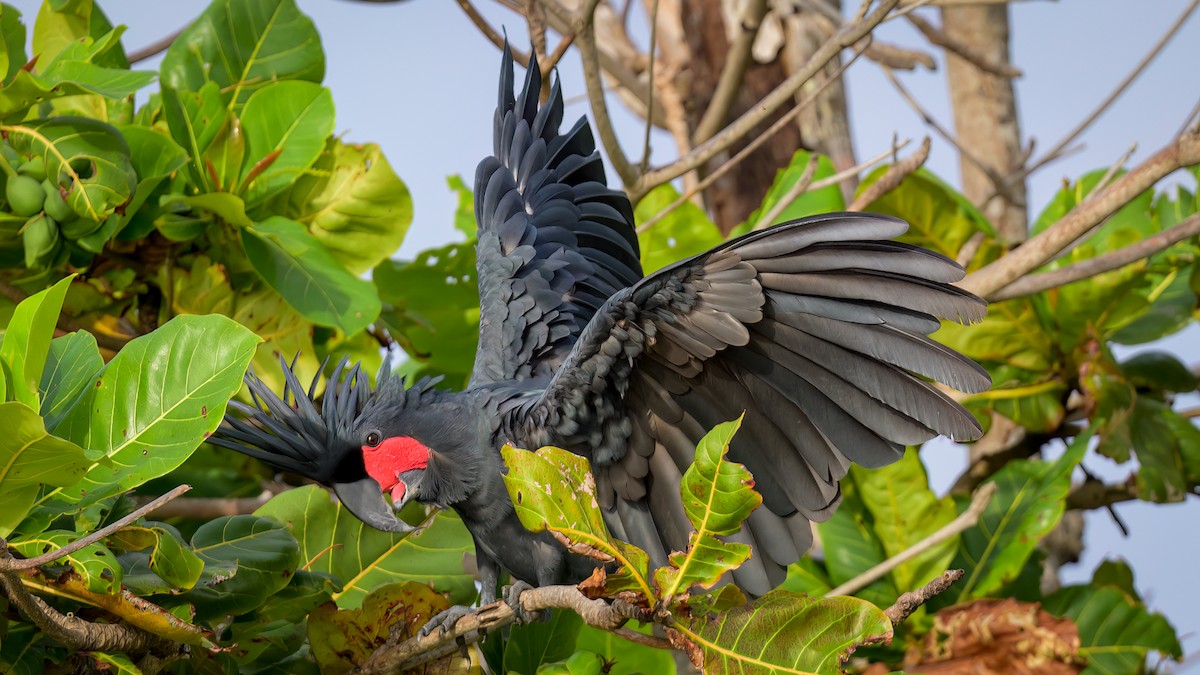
985	282
737	62
153	49
653	87
892	177
1095	494
585	37
963	522
208	508
797	189
909	602
1113	171
968	53
1085	269
892	56
489	32
1056	151
13	564
753	145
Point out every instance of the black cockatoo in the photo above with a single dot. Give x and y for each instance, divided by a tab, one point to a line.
811	327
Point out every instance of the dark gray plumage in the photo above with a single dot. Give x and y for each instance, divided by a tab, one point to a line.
813	328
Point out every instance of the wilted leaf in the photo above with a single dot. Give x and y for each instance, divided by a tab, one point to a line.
553	489
717	496
29	459
247	559
1029	502
684	232
783	632
362	558
96	565
295	264
1116	631
26	341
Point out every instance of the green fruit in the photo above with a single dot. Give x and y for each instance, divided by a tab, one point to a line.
25	195
553	669
585	663
78	228
34	168
56	207
41	241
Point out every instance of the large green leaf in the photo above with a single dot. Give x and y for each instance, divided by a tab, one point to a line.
353	203
165	553
96	566
717	496
939	218
1030	500
242	46
553	489
684	232
194	119
363	558
12	34
531	645
246	558
29	459
153	404
26	341
464	212
60	24
853	547
626	657
783	632
154	157
296	265
23	649
286	124
278	628
824	200
439	325
904	512
1115	631
1167	446
70	365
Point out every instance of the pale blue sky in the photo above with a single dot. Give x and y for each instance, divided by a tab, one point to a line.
417	78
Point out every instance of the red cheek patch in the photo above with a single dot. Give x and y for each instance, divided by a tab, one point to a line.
392	457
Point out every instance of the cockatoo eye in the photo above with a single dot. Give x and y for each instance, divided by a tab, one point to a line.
374	438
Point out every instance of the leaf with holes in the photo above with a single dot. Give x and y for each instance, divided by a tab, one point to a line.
26	341
247	559
244	46
362	558
295	264
783	632
553	489
717	496
30	458
96	566
153	404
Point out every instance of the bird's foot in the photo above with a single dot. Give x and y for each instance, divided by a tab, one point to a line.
444	620
512	597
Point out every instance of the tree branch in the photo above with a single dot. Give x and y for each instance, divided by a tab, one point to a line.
985	282
1085	269
736	63
964	521
396	655
938	37
799	188
909	602
1094	494
892	178
585	37
10	564
207	508
153	49
489	32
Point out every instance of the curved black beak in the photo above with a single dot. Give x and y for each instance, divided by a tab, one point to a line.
364	498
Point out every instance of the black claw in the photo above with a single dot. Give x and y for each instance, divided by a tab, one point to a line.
444	620
512	597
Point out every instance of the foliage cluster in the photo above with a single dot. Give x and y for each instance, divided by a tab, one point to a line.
220	223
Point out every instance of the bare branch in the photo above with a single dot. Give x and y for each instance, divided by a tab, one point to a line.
892	177
1085	269
8	563
799	188
1056	151
653	86
963	522
153	49
396	655
736	63
1181	152
909	602
1094	494
207	508
783	93
585	37
885	54
489	32
937	36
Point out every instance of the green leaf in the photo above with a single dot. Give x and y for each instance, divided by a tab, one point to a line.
939	218
194	119
295	264
1167	446
246	558
353	203
1160	371
628	658
29	459
783	632
226	206
433	309
553	489
62	23
12	34
464	212
807	576
168	555
26	341
286	124
531	645
684	232
73	360
825	200
89	157
1029	501
717	496
153	404
23	649
343	638
852	547
96	565
1117	574
278	628
905	511
243	46
118	664
1115	631
362	558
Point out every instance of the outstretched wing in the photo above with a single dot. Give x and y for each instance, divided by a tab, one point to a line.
554	241
812	329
